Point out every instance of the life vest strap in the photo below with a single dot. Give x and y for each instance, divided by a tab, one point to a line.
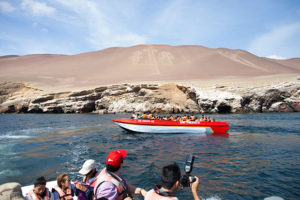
159	191
125	190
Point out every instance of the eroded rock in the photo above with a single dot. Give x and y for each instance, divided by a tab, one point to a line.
168	98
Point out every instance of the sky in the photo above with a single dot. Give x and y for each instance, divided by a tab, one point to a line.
266	28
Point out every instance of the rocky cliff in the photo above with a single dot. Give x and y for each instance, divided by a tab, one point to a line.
155	98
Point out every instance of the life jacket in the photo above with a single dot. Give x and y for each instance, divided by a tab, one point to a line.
35	197
91	181
64	196
153	195
105	177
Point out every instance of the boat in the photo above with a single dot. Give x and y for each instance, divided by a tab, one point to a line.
168	126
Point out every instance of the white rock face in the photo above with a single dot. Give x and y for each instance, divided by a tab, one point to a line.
168	98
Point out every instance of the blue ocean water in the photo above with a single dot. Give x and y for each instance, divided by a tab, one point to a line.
259	159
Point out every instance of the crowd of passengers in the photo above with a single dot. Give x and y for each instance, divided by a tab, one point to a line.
109	184
203	118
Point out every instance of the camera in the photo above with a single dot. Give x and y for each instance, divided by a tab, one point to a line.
188	167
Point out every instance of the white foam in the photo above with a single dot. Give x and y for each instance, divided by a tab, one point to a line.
71	127
14	136
23	134
27	131
212	198
274	198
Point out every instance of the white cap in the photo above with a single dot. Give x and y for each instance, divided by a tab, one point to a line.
87	166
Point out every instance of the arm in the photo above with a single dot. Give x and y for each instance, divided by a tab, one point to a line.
80	186
88	190
194	187
136	190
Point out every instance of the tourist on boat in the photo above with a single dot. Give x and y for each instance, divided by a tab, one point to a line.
90	177
64	189
171	118
203	118
193	118
149	116
90	173
39	191
134	116
170	184
185	118
111	184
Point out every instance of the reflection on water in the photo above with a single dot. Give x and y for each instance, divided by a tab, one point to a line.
257	160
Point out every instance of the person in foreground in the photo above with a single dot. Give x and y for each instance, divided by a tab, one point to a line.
65	190
90	173
110	184
88	183
170	182
40	191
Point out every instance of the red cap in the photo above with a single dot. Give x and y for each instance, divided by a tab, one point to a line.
115	158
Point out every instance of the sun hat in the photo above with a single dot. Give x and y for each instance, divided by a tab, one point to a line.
115	158
87	166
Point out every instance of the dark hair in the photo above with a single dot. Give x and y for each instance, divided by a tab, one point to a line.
170	174
111	168
40	181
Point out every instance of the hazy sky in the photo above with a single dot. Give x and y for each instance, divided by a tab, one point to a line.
269	28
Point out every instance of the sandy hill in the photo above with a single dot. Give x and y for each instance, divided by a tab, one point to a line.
139	63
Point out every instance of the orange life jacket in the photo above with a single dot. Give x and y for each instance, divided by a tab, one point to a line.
35	197
152	195
105	177
62	195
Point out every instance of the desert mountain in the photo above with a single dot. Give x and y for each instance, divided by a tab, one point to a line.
139	63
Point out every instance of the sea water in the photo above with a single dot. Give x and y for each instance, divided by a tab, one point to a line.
260	158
